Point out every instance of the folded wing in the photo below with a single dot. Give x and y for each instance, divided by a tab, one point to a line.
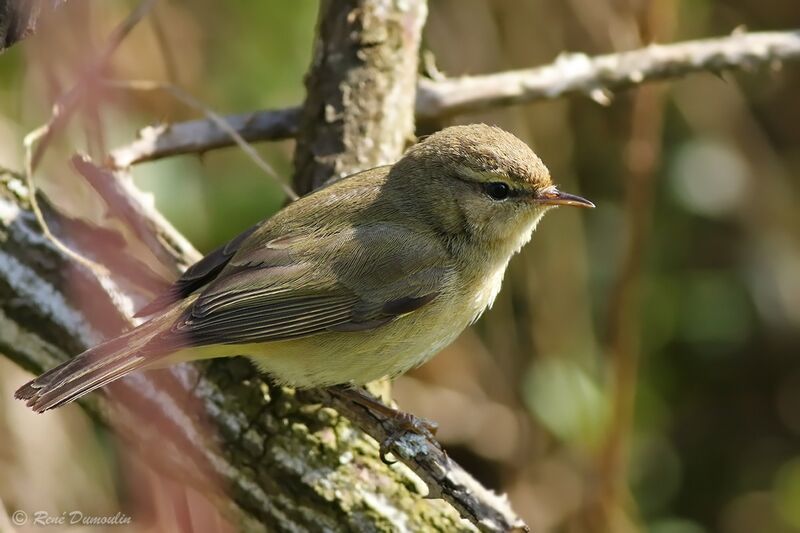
299	285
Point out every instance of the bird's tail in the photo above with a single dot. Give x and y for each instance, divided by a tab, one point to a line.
94	368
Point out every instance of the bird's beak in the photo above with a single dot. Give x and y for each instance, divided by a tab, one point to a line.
552	196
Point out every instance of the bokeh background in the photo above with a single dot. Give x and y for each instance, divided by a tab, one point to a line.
643	357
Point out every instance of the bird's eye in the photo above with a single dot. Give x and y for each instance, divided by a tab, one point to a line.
497	190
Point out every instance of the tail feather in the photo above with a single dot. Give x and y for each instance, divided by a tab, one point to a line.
94	368
67	391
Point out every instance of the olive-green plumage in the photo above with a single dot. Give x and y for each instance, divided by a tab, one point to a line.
362	279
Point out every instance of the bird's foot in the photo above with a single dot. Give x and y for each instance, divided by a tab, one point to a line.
396	423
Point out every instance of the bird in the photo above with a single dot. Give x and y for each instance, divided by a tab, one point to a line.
362	279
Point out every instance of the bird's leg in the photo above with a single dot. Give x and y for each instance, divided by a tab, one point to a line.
399	422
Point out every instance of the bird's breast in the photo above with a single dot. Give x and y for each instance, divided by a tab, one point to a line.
388	350
487	289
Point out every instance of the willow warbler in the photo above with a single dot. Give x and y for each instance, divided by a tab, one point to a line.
362	279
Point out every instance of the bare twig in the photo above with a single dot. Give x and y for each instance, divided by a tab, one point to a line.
198	136
623	311
42	135
37	141
215	118
598	76
570	73
126	203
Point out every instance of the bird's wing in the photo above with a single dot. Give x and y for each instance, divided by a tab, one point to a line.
299	285
197	275
333	204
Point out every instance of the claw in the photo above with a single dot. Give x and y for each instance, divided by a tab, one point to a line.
384	449
396	423
400	423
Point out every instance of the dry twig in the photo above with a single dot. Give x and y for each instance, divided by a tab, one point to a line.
127	203
570	73
218	121
198	136
37	141
598	76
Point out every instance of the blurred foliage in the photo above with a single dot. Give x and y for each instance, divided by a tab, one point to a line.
524	398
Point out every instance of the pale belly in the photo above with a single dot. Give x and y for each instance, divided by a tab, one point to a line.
360	357
357	358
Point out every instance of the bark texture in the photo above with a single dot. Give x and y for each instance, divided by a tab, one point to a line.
359	108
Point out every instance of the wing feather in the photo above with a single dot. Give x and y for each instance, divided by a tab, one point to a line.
299	293
197	275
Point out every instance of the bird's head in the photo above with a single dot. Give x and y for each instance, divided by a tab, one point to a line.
481	182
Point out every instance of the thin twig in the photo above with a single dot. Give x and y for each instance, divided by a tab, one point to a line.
125	203
623	310
199	136
219	121
642	157
167	54
29	142
598	76
37	141
570	73
68	101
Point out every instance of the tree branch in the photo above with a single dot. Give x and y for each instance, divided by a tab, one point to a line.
426	458
198	136
598	76
570	73
218	121
358	111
